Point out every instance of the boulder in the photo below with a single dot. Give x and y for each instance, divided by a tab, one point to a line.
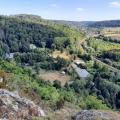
96	115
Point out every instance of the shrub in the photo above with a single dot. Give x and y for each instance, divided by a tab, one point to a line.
93	103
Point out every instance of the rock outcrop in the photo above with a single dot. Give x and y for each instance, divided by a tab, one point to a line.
13	107
96	115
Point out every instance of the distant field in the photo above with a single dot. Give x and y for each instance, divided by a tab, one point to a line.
111	29
111	32
55	75
113	36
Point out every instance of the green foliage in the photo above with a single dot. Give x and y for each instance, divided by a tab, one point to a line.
78	85
112	55
40	59
100	45
68	96
93	103
11	67
49	93
105	86
75	93
61	42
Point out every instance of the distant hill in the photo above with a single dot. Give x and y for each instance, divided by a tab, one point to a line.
111	23
91	24
75	24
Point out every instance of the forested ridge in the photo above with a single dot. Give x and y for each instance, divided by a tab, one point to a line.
18	32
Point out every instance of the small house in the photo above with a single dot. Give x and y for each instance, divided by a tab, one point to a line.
10	55
32	46
78	62
82	73
1	80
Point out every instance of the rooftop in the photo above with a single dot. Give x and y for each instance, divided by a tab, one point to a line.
81	72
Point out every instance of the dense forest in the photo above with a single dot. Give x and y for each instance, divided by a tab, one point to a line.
18	32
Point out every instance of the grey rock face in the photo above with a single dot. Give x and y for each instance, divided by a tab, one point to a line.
13	107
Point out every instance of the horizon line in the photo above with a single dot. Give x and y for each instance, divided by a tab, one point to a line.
59	19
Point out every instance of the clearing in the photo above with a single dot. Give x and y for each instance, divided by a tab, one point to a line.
55	75
60	54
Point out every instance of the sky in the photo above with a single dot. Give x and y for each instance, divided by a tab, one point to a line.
73	10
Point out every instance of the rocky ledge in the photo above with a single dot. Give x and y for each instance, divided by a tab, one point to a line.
96	115
13	107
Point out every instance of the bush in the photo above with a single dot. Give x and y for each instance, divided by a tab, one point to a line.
93	103
68	96
49	93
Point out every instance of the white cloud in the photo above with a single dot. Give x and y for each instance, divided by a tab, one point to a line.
115	4
53	5
79	9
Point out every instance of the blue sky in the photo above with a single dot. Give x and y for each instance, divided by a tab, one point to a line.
76	10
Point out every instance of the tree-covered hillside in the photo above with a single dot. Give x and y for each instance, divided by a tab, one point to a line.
18	32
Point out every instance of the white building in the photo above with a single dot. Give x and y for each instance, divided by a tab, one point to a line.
10	55
82	73
78	62
32	46
1	80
